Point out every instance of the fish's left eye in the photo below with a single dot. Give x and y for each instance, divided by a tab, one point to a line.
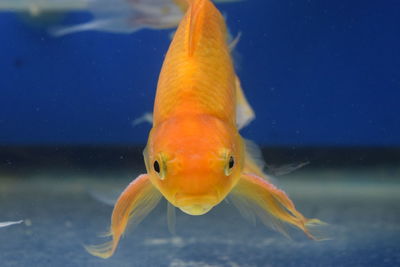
231	162
229	166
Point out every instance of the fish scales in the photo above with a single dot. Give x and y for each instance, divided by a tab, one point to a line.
202	81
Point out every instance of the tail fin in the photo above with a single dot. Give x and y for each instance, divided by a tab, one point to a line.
133	205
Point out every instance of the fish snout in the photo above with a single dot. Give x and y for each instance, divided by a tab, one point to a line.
196	204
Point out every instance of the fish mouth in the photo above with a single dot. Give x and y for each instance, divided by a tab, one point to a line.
195	205
196	209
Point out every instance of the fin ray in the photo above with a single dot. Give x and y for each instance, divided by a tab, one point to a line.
284	169
171	218
133	205
254	162
146	117
259	198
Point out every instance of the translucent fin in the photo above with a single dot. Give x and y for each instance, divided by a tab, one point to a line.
171	35
122	16
244	206
5	224
254	162
286	168
244	112
107	25
101	25
106	196
133	205
255	197
171	218
234	41
146	117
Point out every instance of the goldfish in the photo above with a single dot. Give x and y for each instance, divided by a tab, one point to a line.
195	156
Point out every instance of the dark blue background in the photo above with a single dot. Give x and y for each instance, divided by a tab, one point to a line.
318	73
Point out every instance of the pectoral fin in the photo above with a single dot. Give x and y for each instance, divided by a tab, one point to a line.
254	162
255	197
133	205
171	218
146	117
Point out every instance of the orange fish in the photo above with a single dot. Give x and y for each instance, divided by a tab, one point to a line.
195	156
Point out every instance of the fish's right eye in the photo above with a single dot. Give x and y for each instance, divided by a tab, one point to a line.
156	166
160	166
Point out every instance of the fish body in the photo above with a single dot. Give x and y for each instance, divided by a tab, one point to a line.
194	134
195	156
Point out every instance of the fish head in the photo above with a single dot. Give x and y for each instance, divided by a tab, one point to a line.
194	162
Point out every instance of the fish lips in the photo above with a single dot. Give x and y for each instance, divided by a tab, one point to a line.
196	204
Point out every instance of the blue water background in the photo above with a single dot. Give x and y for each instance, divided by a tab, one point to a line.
318	73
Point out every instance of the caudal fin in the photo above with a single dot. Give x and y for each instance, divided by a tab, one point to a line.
133	205
256	197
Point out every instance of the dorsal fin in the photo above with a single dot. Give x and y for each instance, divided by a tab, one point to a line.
195	7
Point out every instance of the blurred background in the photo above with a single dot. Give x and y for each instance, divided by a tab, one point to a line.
319	74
